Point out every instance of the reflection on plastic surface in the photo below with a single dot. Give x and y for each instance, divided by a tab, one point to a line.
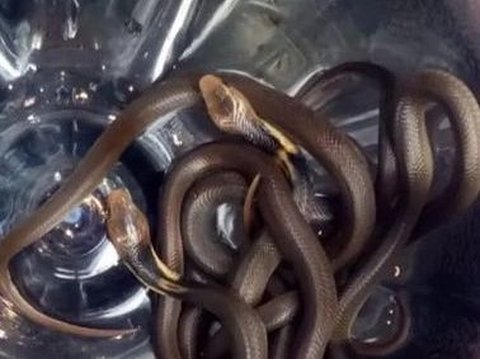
67	67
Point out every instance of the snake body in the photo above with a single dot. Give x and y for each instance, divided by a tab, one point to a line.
415	160
199	211
250	276
189	324
411	147
293	236
463	113
294	124
179	93
332	149
160	100
129	231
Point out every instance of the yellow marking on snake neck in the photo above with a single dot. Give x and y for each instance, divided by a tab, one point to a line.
163	268
160	288
129	230
216	93
283	140
286	164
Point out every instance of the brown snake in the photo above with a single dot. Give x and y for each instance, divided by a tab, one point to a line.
296	242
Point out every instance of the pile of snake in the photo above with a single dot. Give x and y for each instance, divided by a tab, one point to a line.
287	291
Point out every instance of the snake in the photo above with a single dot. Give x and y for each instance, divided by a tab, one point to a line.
460	105
231	106
294	237
199	212
318	137
213	259
408	127
324	88
164	98
299	242
161	99
206	197
328	152
250	276
415	165
129	232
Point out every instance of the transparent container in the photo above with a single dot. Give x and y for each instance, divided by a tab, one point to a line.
68	67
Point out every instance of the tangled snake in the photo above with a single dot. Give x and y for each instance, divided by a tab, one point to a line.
324	309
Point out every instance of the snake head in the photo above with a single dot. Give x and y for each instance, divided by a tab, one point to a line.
129	232
233	113
228	108
127	226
